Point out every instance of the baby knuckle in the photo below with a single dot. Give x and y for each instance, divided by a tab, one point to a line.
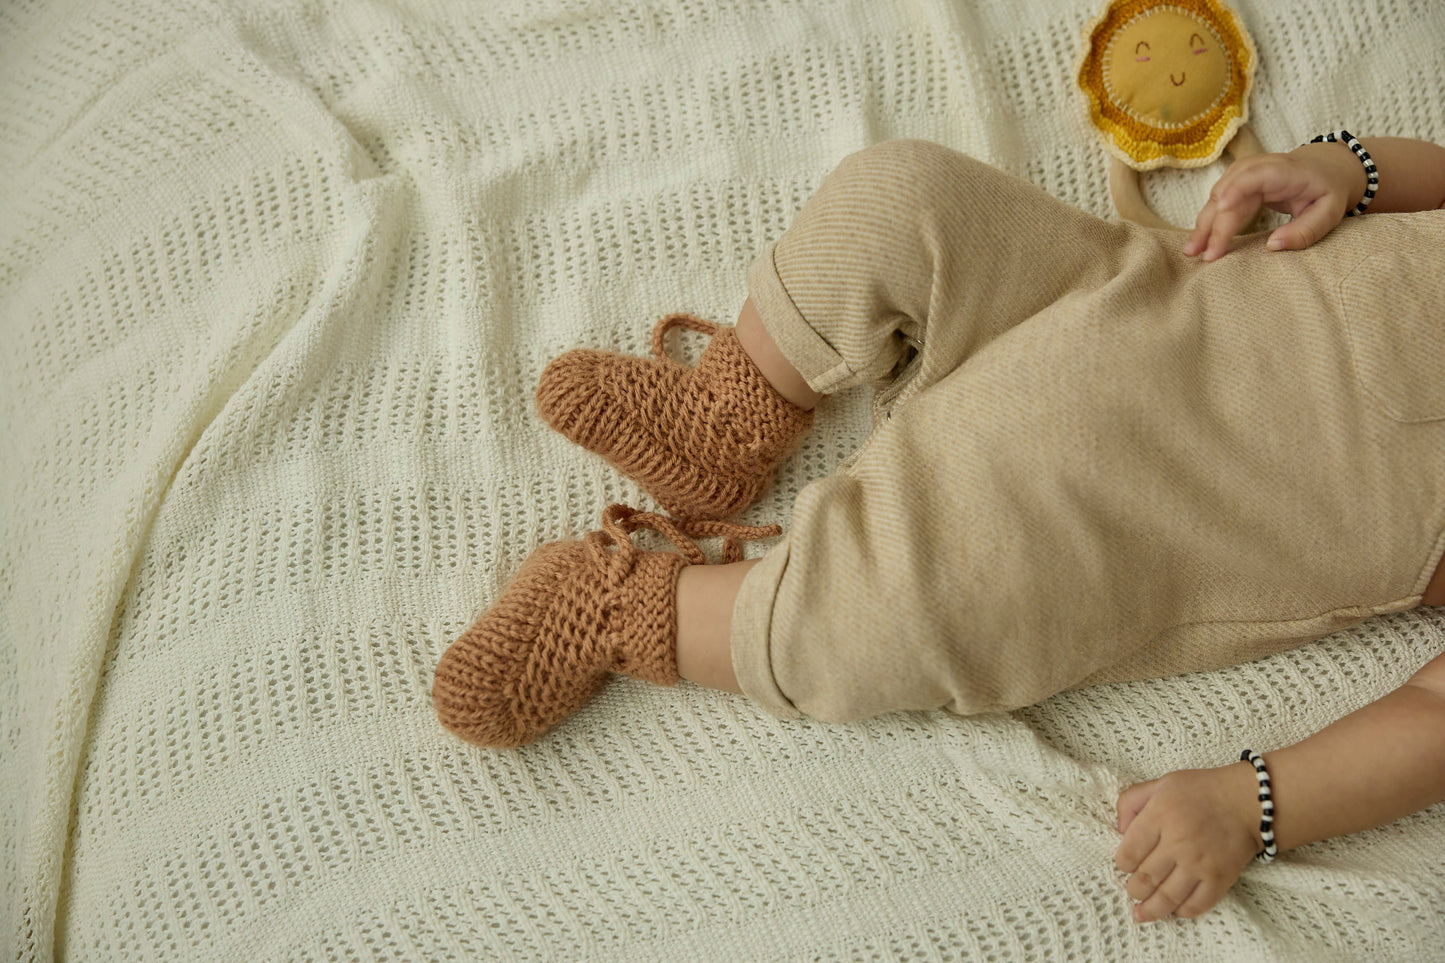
1198	903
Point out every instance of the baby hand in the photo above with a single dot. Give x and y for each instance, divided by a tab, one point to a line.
1187	837
1314	184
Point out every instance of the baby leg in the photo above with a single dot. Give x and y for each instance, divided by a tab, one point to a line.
706	595
910	258
899	256
901	235
703	440
1173	471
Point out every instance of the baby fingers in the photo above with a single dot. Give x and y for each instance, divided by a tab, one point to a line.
1307	227
1173	893
1145	881
1218	222
1136	845
1183	895
1277	181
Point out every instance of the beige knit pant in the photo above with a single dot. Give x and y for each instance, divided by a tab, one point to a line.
1107	461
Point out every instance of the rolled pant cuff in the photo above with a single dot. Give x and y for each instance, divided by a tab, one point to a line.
751	634
816	360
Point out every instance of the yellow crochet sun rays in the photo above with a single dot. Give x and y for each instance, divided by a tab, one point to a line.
1167	81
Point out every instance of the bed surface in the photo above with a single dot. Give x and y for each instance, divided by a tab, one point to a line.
276	282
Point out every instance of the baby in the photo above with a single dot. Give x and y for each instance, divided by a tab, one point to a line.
1095	457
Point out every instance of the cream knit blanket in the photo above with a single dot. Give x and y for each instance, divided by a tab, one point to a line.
276	281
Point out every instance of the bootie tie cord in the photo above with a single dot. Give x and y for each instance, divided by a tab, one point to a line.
575	612
619	521
689	321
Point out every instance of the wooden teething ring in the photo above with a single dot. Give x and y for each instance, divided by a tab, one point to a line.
1128	194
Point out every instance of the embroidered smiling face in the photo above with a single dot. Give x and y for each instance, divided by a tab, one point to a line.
1166	67
1167	80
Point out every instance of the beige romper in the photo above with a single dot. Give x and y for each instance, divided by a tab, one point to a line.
1106	460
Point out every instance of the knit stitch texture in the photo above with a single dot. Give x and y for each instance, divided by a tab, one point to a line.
703	441
277	282
575	612
565	622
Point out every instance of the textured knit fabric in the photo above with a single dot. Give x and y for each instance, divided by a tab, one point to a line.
576	612
1107	461
703	441
277	281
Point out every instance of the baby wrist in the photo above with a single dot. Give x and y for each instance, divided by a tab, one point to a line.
1264	835
1370	173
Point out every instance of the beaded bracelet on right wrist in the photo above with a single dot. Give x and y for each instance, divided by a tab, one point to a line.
1266	806
1372	175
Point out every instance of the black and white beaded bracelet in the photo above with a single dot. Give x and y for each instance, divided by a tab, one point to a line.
1266	806
1372	175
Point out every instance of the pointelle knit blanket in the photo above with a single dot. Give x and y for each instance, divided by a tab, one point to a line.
277	279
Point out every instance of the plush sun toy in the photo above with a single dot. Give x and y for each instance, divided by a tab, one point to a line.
1167	83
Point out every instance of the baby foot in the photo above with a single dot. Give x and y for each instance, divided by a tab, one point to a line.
703	441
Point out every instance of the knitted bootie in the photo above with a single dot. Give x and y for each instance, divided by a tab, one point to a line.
575	612
703	441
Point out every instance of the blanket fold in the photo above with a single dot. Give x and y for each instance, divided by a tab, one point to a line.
276	284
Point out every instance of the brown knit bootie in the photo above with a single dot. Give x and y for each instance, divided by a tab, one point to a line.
703	441
575	612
